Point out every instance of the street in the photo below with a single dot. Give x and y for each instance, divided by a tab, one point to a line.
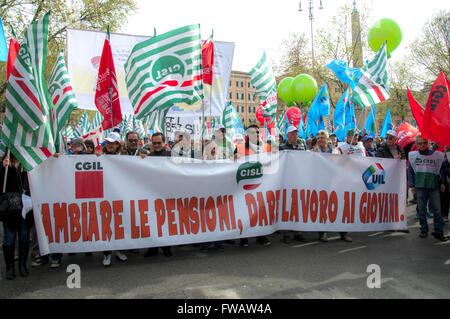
409	267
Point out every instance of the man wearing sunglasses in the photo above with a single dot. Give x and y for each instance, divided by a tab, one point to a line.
391	149
425	180
159	149
132	145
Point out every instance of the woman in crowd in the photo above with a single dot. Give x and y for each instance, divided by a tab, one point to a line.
14	223
112	147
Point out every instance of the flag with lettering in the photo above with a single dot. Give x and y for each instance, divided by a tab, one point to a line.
27	129
107	91
373	87
208	60
165	70
436	121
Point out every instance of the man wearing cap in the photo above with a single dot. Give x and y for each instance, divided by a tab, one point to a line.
368	144
425	181
334	140
351	146
293	141
390	149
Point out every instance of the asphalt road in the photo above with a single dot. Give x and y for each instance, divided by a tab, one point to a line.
410	268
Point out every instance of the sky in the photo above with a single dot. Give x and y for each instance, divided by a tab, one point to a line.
256	26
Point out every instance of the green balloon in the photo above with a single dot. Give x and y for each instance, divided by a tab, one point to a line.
284	90
304	88
385	30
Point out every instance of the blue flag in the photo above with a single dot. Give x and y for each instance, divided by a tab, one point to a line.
387	126
322	102
301	129
3	45
370	122
350	118
339	117
347	75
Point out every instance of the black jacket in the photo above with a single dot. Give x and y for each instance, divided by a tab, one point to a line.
384	152
17	182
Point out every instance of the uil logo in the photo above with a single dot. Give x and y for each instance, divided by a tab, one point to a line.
250	173
374	177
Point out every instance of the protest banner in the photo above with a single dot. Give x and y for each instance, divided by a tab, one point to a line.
84	49
118	202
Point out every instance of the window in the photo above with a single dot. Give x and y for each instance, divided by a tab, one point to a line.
239	84
252	109
240	96
240	109
251	97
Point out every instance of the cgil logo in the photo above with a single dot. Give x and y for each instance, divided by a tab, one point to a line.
374	177
88	180
250	172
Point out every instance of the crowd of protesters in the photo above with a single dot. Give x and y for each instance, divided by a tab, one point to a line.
428	183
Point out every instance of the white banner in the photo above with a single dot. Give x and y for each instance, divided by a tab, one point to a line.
85	203
84	50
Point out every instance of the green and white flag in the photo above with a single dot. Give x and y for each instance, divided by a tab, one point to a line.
281	123
270	111
83	125
138	127
228	121
68	132
165	70
27	129
61	92
97	121
157	121
373	87
263	79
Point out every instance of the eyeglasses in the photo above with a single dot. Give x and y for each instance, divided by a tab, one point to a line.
156	143
89	146
133	141
391	138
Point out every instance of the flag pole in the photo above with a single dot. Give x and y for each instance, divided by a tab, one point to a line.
8	152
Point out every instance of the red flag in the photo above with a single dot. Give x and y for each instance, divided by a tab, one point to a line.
436	122
208	61
14	47
417	110
107	93
406	134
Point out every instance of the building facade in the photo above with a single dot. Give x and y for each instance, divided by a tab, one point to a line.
243	96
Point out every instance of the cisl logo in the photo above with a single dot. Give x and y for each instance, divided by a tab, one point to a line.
168	68
88	180
374	176
251	173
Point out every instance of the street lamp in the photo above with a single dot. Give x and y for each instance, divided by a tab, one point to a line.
311	18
